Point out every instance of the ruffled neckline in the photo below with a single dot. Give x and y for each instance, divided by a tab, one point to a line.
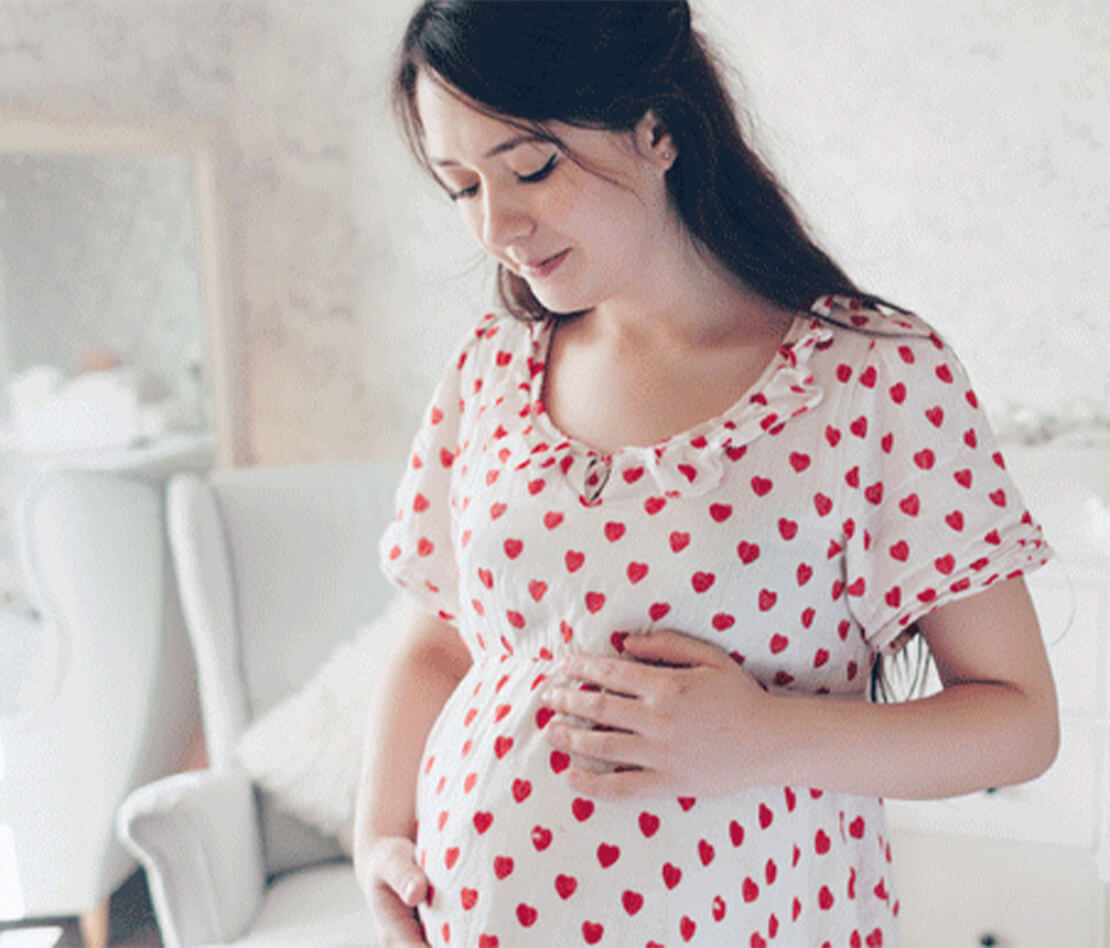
694	461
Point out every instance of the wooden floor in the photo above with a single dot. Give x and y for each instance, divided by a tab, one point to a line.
131	921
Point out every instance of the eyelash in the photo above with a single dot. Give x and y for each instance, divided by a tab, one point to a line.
533	178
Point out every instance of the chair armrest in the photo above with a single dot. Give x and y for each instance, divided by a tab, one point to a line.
197	836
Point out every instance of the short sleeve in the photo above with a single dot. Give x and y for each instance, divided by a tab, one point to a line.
934	516
416	550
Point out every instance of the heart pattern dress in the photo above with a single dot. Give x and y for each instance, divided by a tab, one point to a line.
856	487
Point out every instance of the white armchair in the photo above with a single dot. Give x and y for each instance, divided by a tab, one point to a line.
99	689
276	567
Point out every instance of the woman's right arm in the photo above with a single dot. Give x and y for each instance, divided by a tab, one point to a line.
429	663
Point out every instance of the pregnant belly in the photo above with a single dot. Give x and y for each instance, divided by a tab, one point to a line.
516	857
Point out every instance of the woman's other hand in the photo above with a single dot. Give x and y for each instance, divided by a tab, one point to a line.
684	718
394	884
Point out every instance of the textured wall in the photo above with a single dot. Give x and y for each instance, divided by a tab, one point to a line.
953	155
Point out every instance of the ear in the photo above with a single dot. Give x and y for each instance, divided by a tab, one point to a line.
654	142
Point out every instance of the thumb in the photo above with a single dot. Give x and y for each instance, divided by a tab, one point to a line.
398	869
672	648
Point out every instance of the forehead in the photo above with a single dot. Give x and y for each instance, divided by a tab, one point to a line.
453	128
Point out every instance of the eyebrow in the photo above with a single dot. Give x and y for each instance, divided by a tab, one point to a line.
507	145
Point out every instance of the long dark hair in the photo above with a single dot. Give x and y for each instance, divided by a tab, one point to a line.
603	64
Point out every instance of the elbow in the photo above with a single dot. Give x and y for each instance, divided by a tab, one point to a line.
1042	744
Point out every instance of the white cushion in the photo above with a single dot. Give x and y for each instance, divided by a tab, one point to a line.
321	906
306	750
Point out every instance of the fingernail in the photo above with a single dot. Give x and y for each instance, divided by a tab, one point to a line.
410	890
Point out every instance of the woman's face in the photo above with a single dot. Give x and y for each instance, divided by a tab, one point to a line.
580	237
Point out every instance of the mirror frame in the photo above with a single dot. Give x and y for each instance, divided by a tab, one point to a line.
29	132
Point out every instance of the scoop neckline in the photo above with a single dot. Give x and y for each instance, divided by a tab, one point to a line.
719	426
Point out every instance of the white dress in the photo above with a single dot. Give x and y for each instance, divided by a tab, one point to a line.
855	488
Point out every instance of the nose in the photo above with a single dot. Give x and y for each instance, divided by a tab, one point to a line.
505	220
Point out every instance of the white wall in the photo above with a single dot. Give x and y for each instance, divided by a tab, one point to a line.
951	154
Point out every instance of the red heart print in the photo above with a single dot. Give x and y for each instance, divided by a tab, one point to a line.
722	621
574	560
672	875
808	615
687	803
906	354
637	571
766	816
762	486
874	493
971	439
521	790
595	601
607	855
565	885
679	541
617	640
843	372
632	901
944	373
822	503
770	872
857	588
687	927
516	619
749	890
425	547
735	833
649	823
799	461
688	471
998	498
900	551
632	474
821	842
537	588
859	427
767	600
748	552
856	828
825	898
560	761
502	745
820	657
592	932
935	416
534	487
468	897
486	578
898	393
497	510
788	529
910	505
718	908
852	477
451	856
654	504
658	610
468	783
945	564
955	520
502	866
869	377
894	597
526	915
513	548
614	531
832	435
482	820
501	712
541	838
805	573
706	852
552	519
582	808
720	512
963	477
543	715
924	459
701	581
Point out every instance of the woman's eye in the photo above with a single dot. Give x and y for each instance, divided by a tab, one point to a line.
463	193
548	167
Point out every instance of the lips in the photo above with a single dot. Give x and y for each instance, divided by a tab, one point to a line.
544	266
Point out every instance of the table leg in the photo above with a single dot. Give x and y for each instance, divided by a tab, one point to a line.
94	926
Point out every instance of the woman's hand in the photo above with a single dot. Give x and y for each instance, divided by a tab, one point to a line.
394	884
700	728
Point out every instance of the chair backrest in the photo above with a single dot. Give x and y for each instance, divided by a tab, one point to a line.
277	565
112	700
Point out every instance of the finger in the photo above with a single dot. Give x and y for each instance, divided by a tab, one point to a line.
610	747
397	924
397	869
620	785
613	674
602	707
674	648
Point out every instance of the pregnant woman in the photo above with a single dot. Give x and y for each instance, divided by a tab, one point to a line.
671	504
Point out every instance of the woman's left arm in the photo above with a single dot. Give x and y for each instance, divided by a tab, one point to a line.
709	728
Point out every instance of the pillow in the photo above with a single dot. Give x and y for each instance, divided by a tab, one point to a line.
306	751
